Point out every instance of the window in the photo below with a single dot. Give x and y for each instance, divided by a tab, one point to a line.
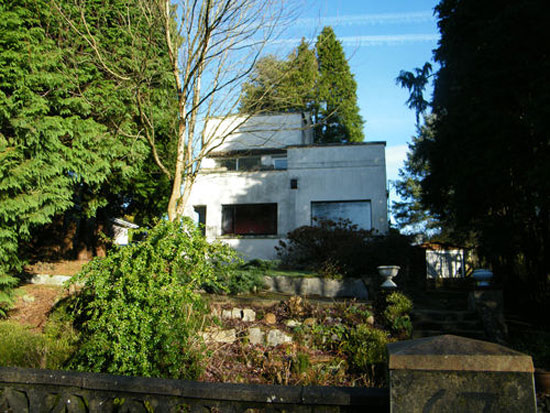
249	163
200	217
280	163
229	163
358	212
249	219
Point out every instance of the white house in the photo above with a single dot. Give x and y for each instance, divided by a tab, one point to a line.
268	178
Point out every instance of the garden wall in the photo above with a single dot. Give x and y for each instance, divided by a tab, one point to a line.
324	287
31	390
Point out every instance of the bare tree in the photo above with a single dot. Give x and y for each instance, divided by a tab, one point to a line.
211	46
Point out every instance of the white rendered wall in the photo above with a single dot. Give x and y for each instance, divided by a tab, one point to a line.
340	173
267	131
324	173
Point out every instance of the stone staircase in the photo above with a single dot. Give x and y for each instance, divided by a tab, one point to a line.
439	312
427	323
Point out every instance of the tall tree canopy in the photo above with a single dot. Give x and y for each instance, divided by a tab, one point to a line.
212	46
318	80
277	85
488	159
336	111
66	129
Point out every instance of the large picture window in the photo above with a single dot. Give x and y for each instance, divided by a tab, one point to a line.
358	212
249	219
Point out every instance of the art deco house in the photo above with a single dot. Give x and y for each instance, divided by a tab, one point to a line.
268	178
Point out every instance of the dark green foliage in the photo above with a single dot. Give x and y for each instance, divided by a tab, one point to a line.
486	163
282	85
396	314
416	84
318	81
346	249
68	131
336	111
365	347
534	343
139	311
7	282
410	213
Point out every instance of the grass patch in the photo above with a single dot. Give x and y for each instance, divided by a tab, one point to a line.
292	273
22	347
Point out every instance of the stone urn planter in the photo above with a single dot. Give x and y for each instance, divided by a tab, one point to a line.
482	276
388	272
542	381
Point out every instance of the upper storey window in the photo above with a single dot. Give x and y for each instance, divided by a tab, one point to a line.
253	163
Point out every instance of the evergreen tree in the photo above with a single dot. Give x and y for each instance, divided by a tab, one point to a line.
67	133
410	214
282	85
486	161
336	111
319	81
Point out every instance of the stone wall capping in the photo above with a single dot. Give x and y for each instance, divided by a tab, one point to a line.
456	374
449	352
63	382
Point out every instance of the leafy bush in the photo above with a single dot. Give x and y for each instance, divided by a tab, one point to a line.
396	314
7	283
339	248
22	347
139	310
245	281
536	344
245	278
365	348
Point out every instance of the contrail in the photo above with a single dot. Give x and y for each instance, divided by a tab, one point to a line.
369	19
375	40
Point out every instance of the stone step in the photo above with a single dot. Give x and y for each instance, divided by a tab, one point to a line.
448	325
476	334
443	315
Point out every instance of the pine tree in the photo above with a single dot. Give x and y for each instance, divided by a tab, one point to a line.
336	110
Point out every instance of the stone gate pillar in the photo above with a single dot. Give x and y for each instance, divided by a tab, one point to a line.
456	374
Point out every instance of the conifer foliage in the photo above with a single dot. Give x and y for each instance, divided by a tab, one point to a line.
318	80
65	129
337	113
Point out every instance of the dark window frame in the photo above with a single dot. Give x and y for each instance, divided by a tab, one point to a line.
249	219
347	201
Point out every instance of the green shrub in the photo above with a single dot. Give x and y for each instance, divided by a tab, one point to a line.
365	347
396	314
240	279
139	311
339	248
245	281
22	347
7	283
536	344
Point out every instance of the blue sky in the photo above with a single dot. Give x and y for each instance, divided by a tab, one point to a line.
380	38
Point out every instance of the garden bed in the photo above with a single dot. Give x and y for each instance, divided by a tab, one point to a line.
313	338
